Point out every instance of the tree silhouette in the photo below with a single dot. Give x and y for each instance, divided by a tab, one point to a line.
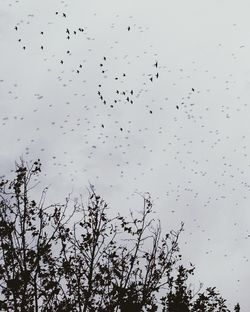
73	257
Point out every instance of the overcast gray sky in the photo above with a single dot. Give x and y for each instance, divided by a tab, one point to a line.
188	148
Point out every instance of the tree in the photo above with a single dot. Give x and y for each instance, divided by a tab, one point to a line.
53	260
29	234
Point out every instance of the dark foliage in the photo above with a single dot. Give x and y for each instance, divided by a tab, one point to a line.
73	257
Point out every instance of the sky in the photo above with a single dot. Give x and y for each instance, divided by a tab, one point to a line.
134	97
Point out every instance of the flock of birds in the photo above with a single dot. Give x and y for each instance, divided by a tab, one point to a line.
122	118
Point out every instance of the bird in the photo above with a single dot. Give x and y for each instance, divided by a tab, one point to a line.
128	28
